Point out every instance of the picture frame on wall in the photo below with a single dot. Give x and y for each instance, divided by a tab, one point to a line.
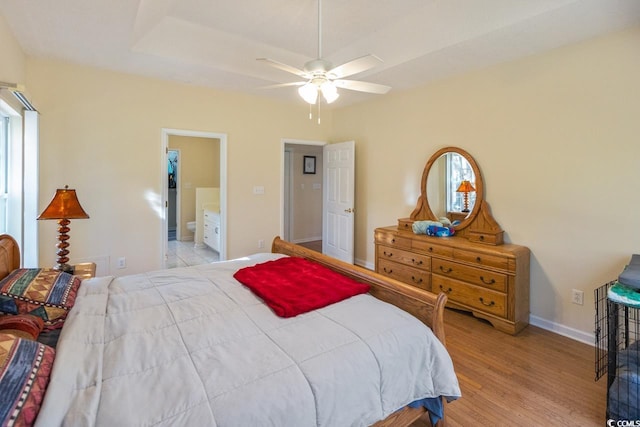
309	165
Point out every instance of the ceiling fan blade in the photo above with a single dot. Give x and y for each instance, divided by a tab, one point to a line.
283	85
362	86
355	66
285	67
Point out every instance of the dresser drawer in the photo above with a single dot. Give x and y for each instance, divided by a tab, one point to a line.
403	273
392	239
431	248
477	276
411	259
482	259
475	297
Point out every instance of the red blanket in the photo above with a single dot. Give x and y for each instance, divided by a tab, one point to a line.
292	286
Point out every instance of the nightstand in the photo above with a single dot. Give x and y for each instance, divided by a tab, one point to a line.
85	270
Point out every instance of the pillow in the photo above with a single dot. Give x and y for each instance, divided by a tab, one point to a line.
43	292
25	367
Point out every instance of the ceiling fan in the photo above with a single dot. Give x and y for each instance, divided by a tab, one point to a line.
321	77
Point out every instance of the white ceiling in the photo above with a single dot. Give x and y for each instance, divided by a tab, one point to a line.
215	43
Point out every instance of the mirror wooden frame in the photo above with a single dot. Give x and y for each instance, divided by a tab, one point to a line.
479	225
427	211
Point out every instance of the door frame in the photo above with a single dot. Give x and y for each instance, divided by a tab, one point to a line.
283	143
222	137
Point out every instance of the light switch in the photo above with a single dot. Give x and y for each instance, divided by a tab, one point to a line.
258	189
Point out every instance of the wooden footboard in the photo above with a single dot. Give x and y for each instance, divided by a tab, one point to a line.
426	306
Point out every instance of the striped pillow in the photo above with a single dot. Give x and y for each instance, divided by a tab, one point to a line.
43	292
25	367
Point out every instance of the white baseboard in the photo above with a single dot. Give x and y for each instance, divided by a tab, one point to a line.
584	337
365	264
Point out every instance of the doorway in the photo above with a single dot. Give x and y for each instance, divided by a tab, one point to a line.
187	180
302	193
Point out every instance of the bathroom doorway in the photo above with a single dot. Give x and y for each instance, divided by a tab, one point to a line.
197	154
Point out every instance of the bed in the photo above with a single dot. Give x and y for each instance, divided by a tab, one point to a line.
193	346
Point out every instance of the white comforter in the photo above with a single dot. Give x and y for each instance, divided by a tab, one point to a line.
193	347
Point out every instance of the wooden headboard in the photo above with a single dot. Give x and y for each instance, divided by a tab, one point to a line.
9	255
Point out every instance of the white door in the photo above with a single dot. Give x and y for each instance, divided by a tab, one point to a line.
338	200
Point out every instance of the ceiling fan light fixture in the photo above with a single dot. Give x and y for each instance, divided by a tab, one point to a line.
309	92
329	91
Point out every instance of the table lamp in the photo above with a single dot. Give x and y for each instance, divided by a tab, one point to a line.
466	188
63	207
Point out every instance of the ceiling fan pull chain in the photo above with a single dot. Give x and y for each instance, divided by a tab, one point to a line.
319	111
310	113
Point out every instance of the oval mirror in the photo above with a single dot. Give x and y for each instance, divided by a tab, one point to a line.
451	187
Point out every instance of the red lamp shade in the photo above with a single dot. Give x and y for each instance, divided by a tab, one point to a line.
63	207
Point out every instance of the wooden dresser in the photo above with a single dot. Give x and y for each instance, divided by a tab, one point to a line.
477	271
492	282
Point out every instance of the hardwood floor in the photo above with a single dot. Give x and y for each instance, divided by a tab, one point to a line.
536	378
315	245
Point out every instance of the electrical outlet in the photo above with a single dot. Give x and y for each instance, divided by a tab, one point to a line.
577	297
122	262
260	244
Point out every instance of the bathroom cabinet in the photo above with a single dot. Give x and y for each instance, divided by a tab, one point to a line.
211	236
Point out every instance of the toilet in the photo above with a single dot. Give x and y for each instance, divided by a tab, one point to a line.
191	226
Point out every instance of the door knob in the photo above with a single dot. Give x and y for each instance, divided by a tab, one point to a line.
349	210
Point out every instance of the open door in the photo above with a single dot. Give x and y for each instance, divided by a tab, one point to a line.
338	200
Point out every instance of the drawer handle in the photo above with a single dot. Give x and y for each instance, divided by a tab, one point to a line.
478	259
481	237
216	230
430	249
416	262
393	240
489	304
447	291
387	271
416	281
449	270
388	254
406	226
487	282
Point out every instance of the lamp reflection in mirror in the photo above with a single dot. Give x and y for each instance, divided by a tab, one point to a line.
466	188
64	206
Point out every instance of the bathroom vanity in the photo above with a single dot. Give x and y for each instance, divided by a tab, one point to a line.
211	236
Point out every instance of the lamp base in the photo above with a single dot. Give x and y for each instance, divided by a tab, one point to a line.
64	268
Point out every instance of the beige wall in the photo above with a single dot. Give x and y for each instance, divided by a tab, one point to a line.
556	137
13	63
198	166
101	131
